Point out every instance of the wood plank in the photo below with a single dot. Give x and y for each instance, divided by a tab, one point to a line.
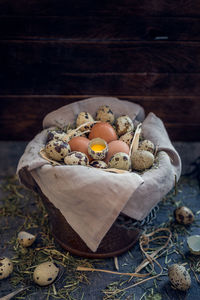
36	81
95	28
98	57
180	114
99	8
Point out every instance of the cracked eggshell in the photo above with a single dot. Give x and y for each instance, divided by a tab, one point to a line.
120	161
6	267
26	239
146	145
124	124
76	158
141	160
57	150
96	153
193	242
105	114
127	137
45	273
84	117
99	164
55	135
184	215
179	277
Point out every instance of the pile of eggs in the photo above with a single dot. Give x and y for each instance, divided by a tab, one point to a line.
103	142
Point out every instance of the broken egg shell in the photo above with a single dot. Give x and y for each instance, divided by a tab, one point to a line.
57	149
45	273
141	160
127	137
6	267
99	164
84	117
120	161
146	145
179	277
26	239
76	158
193	242
98	154
184	215
105	114
124	124
55	135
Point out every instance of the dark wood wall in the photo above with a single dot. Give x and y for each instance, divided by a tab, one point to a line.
55	52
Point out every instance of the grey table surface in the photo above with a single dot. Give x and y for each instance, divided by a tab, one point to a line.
187	194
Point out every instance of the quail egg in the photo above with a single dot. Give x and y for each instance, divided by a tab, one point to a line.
105	114
84	117
146	145
26	239
76	158
55	135
127	137
76	133
179	277
97	148
57	150
141	160
120	160
99	164
45	273
124	124
193	242
184	215
6	267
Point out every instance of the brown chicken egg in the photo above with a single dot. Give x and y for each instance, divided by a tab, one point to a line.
104	131
80	144
115	147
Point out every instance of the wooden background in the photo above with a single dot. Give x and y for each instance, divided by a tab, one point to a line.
56	52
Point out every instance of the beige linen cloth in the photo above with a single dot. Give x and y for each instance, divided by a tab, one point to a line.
91	199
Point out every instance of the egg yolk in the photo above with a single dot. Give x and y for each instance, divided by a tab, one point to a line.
97	147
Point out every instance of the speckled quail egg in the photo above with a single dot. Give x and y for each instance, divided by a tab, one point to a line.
120	160
141	160
99	164
193	242
146	145
55	135
69	136
57	150
105	114
26	239
45	273
76	158
98	148
124	124
179	277
127	137
84	117
184	215
6	267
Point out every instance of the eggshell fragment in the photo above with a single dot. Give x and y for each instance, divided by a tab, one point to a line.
84	117
6	267
124	124
97	154
120	161
179	277
193	242
146	145
99	164
142	160
76	158
57	149
105	114
80	144
115	147
184	215
26	239
104	131
45	273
